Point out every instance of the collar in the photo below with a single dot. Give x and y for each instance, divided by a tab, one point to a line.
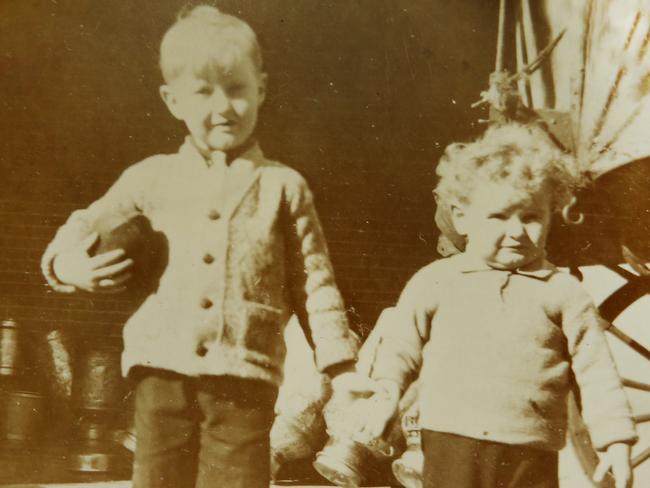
541	269
248	154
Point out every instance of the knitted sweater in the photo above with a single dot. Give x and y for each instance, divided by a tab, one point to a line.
246	251
496	351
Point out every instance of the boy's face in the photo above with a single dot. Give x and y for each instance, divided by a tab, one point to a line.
220	106
505	227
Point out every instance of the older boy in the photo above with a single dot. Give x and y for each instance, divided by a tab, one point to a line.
497	332
246	251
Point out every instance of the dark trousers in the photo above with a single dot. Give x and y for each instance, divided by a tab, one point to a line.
453	461
204	432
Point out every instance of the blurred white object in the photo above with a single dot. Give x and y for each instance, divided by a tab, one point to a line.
299	428
598	73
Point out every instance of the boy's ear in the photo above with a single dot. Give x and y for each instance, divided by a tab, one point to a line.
458	218
168	96
263	78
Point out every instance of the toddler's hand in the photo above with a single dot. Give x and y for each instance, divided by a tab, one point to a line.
378	410
360	407
104	273
616	458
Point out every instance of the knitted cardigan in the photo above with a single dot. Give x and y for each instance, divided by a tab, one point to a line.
246	251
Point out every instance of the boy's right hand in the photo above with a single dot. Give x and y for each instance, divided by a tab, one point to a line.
104	273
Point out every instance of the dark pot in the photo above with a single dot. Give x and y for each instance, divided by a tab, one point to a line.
95	457
98	384
341	461
22	414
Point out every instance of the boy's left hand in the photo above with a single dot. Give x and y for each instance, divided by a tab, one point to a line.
616	458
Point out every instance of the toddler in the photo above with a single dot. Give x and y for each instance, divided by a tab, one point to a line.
497	333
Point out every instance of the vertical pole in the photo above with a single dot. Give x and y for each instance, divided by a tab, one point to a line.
500	43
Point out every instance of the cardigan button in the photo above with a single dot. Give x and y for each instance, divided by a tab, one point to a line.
201	350
214	214
208	258
205	303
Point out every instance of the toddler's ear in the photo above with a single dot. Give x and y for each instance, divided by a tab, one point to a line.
168	96
458	219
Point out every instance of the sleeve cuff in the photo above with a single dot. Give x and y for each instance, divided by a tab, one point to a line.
623	431
341	346
399	379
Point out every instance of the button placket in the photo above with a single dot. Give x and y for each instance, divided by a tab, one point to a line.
201	350
504	281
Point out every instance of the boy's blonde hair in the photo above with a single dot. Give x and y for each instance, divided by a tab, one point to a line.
203	39
521	156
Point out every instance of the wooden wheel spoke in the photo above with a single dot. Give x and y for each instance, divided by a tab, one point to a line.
637	385
641	457
633	344
644	417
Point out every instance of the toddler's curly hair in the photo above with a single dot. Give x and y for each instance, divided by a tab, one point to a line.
522	156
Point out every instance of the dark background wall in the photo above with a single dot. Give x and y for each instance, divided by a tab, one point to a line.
363	96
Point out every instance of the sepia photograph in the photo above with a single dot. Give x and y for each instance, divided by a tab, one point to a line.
355	243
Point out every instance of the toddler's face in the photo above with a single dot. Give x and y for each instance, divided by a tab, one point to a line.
505	227
220	106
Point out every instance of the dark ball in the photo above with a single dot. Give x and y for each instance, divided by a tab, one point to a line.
145	246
